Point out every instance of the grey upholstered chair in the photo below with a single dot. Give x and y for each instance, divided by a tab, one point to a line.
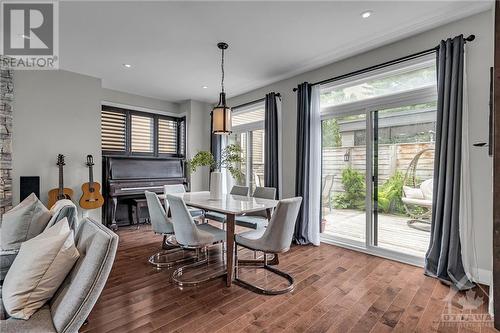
192	236
71	305
276	238
239	190
61	209
179	188
256	220
162	225
219	217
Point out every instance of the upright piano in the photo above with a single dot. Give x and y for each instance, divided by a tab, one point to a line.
127	178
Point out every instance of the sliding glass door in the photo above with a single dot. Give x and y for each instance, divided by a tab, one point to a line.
378	160
343	177
402	174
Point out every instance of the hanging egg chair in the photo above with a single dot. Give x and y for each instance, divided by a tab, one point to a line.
417	195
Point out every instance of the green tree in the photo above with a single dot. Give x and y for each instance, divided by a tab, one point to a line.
331	133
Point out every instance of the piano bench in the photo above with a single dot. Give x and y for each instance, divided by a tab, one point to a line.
136	206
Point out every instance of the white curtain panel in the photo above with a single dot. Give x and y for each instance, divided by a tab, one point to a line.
465	216
315	167
467	234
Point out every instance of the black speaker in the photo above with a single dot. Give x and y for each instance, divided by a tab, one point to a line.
29	185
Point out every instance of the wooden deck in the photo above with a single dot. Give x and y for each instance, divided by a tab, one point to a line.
337	290
393	232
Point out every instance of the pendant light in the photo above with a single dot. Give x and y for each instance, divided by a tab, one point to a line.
221	114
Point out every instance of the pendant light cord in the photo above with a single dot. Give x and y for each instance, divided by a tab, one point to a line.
222	67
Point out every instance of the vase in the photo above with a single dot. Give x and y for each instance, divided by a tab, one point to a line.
216	185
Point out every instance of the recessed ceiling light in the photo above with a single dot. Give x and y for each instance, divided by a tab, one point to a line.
366	14
204	87
127	65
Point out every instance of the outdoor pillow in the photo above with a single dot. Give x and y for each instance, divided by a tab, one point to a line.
23	222
413	193
39	270
427	188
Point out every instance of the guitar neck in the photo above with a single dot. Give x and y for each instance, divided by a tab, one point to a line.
61	181
91	176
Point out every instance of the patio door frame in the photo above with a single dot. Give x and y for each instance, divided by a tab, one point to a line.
369	107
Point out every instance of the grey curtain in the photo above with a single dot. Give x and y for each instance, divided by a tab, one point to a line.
302	161
271	143
215	142
443	259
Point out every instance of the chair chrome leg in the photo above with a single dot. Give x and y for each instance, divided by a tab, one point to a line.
170	247
259	290
177	274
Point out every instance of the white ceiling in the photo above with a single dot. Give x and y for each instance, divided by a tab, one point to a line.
172	45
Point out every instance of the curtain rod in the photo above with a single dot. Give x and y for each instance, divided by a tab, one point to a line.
385	64
255	101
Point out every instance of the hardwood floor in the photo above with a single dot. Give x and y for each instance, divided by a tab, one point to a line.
337	290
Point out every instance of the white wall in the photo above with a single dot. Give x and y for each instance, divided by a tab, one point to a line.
59	112
198	138
55	112
131	100
479	60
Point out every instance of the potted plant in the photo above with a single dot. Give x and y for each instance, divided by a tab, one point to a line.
230	160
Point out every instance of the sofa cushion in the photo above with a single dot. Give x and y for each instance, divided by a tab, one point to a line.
6	259
23	222
40	322
38	271
3	313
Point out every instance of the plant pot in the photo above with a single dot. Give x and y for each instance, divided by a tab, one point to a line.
322	226
216	185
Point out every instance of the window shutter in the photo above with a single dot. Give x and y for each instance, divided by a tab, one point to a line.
182	137
142	140
167	136
113	127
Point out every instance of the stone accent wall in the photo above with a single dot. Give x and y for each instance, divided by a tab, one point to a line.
6	101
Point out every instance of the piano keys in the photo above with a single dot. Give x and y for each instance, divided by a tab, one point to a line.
128	177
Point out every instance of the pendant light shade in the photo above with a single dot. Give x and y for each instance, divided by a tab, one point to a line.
221	114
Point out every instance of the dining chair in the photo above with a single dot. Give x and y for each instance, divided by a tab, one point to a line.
219	217
162	225
179	188
189	235
274	239
259	219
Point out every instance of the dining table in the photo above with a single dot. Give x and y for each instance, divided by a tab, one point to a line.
232	206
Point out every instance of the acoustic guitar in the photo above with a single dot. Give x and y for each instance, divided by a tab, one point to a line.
61	192
91	196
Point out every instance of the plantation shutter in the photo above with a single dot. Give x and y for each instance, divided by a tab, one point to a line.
167	136
182	137
113	128
142	129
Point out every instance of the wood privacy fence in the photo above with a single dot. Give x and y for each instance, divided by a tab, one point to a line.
392	158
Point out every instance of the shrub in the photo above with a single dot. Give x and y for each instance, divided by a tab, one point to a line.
390	193
355	188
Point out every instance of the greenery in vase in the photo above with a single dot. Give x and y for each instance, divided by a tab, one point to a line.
230	160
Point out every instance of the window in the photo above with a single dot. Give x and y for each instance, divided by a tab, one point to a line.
248	133
127	132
